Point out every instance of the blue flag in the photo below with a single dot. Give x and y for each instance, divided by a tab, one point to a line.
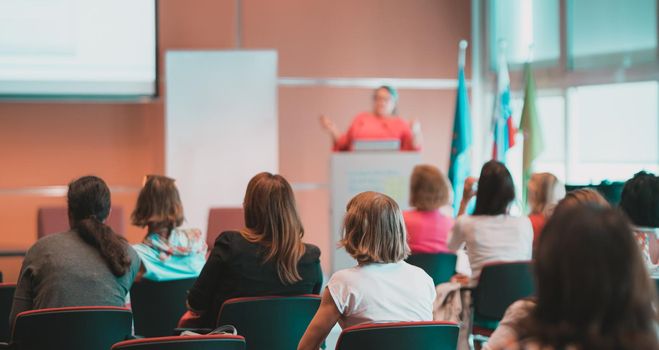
460	164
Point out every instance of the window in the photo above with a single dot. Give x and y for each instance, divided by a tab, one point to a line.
522	23
615	131
611	32
597	83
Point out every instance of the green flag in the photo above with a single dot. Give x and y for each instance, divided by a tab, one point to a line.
530	126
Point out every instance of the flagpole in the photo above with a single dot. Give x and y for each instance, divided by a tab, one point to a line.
462	54
460	155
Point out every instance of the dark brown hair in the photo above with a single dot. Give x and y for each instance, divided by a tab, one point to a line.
158	205
495	189
582	196
271	219
89	205
593	290
429	188
640	199
374	230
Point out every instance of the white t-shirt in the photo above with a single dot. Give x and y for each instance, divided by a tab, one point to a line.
492	238
377	292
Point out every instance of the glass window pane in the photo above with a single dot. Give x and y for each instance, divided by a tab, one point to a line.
551	114
522	23
617	130
611	32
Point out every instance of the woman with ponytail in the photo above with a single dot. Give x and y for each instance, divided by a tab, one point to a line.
266	257
89	265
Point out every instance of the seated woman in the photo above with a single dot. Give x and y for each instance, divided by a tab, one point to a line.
596	298
491	234
167	251
543	193
382	287
382	124
427	227
640	201
506	331
89	265
267	257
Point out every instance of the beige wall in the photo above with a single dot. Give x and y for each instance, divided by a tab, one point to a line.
50	143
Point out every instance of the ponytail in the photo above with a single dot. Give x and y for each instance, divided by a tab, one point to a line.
111	246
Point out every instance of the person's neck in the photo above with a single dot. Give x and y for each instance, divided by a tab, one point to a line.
161	231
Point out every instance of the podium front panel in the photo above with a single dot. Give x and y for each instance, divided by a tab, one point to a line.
356	172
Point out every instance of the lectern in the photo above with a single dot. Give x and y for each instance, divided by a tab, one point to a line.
355	172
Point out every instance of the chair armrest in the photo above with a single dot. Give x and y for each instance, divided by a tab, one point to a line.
6	346
178	331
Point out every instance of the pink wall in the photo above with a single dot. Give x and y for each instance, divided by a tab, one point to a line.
50	143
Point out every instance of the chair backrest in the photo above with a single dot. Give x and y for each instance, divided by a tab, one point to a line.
71	328
6	299
440	266
401	335
201	342
56	219
501	284
223	219
274	323
157	306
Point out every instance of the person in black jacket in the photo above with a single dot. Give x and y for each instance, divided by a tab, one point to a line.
267	257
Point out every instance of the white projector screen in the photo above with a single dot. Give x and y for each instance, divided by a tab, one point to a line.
77	47
221	125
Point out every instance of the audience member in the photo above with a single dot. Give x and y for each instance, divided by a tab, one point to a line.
267	257
167	251
543	193
595	298
427	227
89	265
382	287
491	234
640	201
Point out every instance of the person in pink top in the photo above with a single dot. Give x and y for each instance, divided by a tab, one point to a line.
427	227
380	124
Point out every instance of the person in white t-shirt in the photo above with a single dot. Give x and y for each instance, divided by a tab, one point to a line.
490	234
382	287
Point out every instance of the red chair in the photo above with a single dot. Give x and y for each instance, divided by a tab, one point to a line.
56	219
400	335
272	323
223	219
6	299
71	328
200	342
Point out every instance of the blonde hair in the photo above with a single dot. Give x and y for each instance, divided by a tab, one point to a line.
544	192
429	188
158	204
374	230
271	219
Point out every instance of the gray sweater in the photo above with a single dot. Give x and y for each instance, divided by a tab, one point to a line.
62	270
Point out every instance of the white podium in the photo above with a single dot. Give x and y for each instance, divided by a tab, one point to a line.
355	172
